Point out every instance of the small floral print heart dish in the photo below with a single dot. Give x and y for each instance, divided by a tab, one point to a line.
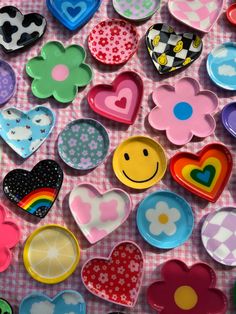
123	268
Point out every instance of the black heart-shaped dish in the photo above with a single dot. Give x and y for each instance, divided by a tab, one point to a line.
170	51
34	191
17	30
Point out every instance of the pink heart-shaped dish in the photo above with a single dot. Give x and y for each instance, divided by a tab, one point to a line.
198	14
98	214
119	101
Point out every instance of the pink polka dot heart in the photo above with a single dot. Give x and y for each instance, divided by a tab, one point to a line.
113	41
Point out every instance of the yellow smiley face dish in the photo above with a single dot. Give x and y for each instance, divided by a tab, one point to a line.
139	162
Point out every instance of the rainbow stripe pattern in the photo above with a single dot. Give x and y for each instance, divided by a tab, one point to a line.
39	198
204	174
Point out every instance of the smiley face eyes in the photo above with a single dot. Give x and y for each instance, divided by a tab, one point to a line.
126	156
145	153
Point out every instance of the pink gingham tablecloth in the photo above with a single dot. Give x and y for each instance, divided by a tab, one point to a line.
15	283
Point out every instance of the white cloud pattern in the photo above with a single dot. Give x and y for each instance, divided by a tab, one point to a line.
70	298
41	119
44	307
226	70
220	53
19	133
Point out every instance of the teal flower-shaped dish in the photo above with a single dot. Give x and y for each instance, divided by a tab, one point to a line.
59	71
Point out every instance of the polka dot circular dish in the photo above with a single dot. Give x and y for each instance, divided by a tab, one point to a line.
113	41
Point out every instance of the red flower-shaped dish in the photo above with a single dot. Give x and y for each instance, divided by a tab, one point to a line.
9	237
186	290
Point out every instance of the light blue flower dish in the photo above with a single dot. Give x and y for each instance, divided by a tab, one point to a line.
26	131
73	13
65	302
165	220
221	65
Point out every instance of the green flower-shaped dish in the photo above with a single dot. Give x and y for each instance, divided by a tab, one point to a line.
59	71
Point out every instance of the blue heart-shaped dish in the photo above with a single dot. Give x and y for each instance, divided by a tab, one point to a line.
73	13
67	301
25	132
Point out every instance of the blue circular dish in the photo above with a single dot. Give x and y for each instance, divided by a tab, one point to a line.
221	65
165	220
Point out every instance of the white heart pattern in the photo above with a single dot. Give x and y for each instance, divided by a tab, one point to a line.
98	214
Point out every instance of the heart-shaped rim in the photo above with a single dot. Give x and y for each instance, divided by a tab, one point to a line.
25	113
51	300
197	157
72	25
9	195
99	194
167	29
207	30
106	260
24	15
113	88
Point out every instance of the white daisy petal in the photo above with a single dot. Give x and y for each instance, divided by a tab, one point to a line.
174	214
156	228
151	214
169	228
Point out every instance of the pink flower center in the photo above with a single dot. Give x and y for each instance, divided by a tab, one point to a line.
60	72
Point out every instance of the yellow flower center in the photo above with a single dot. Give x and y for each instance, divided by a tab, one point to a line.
185	297
163	219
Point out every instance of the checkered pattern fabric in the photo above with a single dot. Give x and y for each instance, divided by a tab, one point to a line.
199	14
167	42
219	237
15	283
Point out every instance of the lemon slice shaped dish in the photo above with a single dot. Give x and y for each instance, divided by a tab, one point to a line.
51	254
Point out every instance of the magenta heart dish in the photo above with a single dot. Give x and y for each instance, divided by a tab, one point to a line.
119	101
98	214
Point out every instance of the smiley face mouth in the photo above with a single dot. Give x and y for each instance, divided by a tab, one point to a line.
142	181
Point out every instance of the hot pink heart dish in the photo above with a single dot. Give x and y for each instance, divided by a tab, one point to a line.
118	278
98	214
198	14
119	101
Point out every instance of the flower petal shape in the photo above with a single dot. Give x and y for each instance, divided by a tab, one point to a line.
9	237
186	290
59	71
183	114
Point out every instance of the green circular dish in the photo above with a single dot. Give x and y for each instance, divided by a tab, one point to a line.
83	144
59	71
5	307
